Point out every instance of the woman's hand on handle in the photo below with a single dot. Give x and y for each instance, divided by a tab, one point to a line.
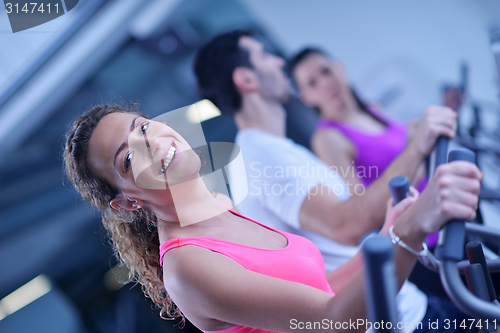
393	212
457	186
437	121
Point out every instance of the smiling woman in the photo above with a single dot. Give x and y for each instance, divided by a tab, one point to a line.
223	270
133	232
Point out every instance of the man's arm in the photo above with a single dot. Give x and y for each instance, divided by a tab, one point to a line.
346	222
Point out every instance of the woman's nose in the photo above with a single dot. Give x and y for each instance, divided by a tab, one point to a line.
155	148
140	143
327	82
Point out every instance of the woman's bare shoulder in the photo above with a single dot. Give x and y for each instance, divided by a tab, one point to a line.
331	138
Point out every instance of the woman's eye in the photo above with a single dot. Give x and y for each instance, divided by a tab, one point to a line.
312	83
128	159
326	71
144	127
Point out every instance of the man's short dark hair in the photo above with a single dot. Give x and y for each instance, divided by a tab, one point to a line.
214	66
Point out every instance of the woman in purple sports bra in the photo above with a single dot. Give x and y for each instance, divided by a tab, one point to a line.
356	138
224	271
351	136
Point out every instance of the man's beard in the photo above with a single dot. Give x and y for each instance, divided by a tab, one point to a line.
270	92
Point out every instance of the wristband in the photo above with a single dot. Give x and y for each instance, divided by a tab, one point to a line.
396	240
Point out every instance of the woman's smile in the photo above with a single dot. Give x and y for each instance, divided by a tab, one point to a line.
165	162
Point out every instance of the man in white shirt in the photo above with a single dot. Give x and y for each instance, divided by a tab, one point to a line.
289	188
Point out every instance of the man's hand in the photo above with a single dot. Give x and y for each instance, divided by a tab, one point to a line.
452	193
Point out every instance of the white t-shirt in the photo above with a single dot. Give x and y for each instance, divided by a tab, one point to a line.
279	175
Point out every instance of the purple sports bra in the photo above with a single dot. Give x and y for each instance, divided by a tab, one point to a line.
374	151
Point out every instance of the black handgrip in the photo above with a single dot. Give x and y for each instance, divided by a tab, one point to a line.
477	285
468	303
380	281
461	155
399	186
476	282
441	151
451	239
476	256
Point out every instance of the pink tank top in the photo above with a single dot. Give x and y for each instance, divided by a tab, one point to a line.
300	261
374	151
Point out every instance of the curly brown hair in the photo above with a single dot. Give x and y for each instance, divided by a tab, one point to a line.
134	235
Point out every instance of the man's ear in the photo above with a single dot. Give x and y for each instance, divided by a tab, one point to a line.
245	79
120	202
